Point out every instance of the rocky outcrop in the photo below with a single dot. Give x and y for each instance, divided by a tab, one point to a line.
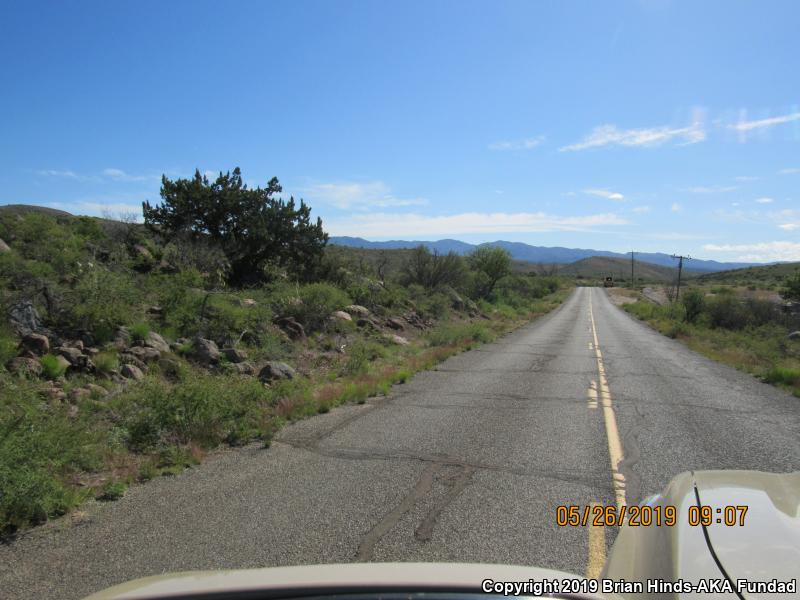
340	315
155	341
206	351
131	372
397	339
395	323
276	371
357	310
291	327
234	355
24	367
36	343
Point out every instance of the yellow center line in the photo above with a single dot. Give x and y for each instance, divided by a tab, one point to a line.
612	431
597	547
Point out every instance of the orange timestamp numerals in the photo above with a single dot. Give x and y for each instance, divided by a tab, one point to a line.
598	515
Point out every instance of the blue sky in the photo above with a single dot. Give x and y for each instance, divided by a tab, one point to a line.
650	125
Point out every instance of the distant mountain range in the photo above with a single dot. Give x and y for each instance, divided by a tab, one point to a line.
542	254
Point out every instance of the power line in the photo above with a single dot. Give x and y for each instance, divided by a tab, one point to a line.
680	268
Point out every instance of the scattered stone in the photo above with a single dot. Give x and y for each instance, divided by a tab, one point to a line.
36	343
235	355
368	323
795	335
395	323
156	311
275	370
244	368
54	394
24	319
131	372
24	367
397	339
96	390
142	252
291	327
341	316
130	359
206	351
122	338
357	309
248	302
153	340
78	393
144	353
91	351
73	355
76	344
4	247
72	411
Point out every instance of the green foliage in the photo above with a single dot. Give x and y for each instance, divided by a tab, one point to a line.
791	287
492	264
139	332
453	334
359	358
113	490
312	304
783	375
694	303
105	362
431	269
51	367
254	228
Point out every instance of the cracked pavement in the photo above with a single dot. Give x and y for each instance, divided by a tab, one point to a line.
463	463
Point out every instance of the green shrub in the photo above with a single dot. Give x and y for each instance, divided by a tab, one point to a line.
106	361
694	303
52	368
727	312
312	304
113	490
783	375
139	332
453	334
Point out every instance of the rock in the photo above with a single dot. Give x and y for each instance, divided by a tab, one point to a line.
274	371
167	267
95	390
235	355
122	338
36	343
131	372
795	335
397	339
395	323
291	327
4	247
340	315
142	252
368	323
24	319
24	367
145	353
91	351
156	311
76	344
153	340
79	393
72	411
244	368
54	394
248	302
73	355
357	309
130	359
206	351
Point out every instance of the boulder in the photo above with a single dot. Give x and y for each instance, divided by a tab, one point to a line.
142	252
357	310
36	343
368	323
4	247
243	368
24	319
795	335
235	355
131	372
395	323
397	339
144	353
248	302
340	315
79	393
291	327
130	359
275	371
153	340
53	393
122	338
206	351
156	311
24	367
98	391
73	355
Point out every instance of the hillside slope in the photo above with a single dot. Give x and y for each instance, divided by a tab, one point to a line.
597	267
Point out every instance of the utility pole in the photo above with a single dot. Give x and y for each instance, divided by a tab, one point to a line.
632	279
680	268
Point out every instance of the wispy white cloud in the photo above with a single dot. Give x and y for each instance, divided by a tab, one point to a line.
745	178
411	224
358	196
760	252
789	171
610	135
120	175
525	144
109	174
743	125
676	207
764	200
66	174
710	189
607	194
787	219
641	209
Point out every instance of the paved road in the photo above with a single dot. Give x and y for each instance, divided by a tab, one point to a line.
464	463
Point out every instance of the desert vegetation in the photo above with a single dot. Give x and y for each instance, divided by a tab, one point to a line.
128	351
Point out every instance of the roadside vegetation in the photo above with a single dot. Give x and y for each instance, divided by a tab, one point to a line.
751	323
129	351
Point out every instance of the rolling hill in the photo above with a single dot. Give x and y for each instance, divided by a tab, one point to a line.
765	275
597	267
541	254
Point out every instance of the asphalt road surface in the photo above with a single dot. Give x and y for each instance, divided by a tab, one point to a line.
464	463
